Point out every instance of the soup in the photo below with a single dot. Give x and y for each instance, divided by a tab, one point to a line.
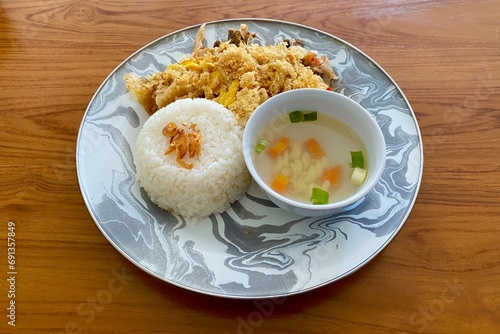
310	157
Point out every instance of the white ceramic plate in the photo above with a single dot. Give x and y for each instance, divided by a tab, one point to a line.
253	249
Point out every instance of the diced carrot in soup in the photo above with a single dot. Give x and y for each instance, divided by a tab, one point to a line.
314	148
332	175
278	147
280	183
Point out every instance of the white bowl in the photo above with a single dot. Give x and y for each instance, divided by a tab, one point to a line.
336	105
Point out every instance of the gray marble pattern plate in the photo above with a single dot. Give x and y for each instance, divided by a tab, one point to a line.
253	249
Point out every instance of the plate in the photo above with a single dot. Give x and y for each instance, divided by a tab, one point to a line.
253	249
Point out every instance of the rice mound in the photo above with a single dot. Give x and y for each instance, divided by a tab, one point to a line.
219	176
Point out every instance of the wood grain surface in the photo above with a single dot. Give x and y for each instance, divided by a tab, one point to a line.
440	274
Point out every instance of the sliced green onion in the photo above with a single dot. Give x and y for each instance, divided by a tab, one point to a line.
358	175
310	116
261	144
357	159
296	116
319	196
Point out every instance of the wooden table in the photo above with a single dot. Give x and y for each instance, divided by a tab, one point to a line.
441	274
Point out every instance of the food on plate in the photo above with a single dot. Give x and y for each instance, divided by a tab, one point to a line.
237	73
198	172
310	157
188	155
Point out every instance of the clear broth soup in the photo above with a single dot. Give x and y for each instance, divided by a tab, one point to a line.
302	170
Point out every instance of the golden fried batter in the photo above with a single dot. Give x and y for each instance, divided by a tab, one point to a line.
238	76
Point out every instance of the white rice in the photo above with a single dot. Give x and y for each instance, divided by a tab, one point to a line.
219	176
